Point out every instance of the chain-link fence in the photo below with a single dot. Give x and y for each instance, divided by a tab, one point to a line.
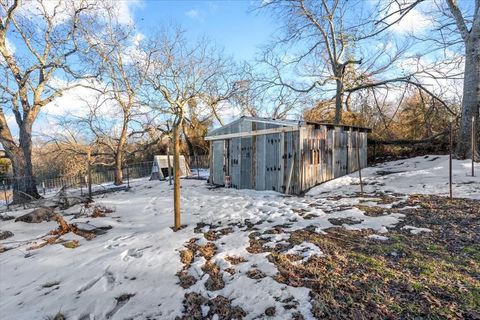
102	178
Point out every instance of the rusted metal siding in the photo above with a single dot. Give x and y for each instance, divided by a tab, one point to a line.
288	162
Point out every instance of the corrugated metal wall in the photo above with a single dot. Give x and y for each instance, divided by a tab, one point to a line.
288	162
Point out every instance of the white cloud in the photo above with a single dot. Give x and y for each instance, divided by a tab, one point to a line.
413	21
123	10
192	13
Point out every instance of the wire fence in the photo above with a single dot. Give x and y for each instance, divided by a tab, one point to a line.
101	177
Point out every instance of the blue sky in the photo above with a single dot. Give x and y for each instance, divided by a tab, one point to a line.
230	24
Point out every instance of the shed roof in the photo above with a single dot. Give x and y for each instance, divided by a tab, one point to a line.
279	122
284	122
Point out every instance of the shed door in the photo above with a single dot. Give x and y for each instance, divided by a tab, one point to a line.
219	162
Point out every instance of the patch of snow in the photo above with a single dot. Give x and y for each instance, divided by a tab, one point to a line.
416	230
306	250
424	175
377	237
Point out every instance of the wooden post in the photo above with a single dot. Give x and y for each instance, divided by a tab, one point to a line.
176	175
359	164
43	187
89	176
450	161
169	170
473	146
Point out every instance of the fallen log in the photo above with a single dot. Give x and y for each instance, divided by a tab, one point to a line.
37	215
405	142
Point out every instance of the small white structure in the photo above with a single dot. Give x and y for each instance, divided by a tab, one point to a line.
160	167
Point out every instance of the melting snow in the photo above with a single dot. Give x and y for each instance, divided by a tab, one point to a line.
140	253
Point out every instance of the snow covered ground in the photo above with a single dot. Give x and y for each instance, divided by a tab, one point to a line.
424	175
131	271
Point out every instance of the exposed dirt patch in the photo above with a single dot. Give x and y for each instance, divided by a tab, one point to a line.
186	257
255	274
207	251
185	280
270	311
213	235
100	211
5	234
432	275
342	221
235	259
215	280
219	306
258	240
372	211
230	270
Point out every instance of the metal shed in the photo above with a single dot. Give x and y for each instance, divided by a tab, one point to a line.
284	155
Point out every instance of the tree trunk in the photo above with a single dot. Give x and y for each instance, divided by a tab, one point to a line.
176	176
338	102
118	169
191	148
119	153
471	100
24	185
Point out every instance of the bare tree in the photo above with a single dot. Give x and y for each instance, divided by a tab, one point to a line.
455	27
116	55
335	47
180	73
469	29
47	39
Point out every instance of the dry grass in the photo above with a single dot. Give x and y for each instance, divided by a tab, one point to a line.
433	275
235	259
213	235
100	212
185	280
219	307
255	274
215	280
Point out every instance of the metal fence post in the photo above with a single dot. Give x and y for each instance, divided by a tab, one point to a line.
89	178
81	184
198	169
359	164
450	161
5	194
473	146
128	178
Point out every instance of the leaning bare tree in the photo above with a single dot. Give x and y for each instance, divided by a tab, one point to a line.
455	28
116	56
335	48
180	73
36	73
